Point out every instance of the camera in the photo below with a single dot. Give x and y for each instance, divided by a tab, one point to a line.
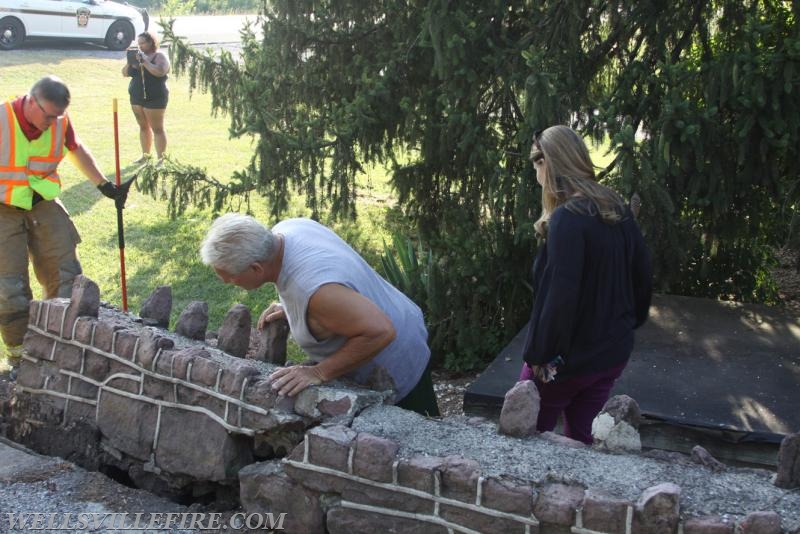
134	56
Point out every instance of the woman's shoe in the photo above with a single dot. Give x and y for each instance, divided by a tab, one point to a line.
144	159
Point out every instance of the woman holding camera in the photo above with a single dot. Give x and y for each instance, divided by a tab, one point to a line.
149	94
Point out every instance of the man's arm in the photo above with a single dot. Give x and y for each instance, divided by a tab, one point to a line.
85	162
336	310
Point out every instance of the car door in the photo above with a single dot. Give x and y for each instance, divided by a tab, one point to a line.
84	18
41	17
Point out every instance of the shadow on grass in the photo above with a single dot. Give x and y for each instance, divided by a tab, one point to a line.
80	197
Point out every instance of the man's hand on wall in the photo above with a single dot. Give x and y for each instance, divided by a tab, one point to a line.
292	380
274	312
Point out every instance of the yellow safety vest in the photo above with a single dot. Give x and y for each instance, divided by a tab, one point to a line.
29	166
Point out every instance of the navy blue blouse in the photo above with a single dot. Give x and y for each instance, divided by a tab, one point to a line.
592	283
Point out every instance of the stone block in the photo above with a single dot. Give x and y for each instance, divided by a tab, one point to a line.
193	444
272	348
84	301
657	509
30	375
265	488
84	329
125	345
104	334
193	321
54	380
707	525
317	402
336	407
184	358
761	523
374	456
557	503
313	480
260	393
349	521
194	397
128	383
128	425
604	513
69	357
96	366
480	522
520	410
418	472
330	446
383	498
38	346
701	456
460	479
79	411
35	313
163	365
788	475
234	373
615	437
55	312
234	333
508	495
205	372
623	408
158	389
150	342
157	307
81	388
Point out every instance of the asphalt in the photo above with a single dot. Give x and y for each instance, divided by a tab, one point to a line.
697	363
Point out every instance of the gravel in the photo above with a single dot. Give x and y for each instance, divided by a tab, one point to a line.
731	493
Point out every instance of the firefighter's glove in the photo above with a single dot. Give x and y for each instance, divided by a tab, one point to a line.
117	192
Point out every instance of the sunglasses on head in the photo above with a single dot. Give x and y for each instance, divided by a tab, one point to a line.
537	156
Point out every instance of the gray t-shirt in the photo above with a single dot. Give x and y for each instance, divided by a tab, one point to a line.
314	256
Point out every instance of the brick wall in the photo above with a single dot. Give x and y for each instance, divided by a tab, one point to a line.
98	387
147	401
342	481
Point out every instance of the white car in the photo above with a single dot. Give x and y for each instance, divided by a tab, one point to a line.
112	23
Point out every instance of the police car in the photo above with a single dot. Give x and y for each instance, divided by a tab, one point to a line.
112	23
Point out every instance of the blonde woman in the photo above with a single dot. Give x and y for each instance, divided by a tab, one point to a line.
592	281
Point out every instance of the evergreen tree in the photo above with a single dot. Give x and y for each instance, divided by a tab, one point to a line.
698	100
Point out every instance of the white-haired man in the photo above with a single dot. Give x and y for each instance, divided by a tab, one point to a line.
349	320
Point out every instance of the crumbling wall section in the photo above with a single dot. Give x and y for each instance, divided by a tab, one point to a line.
105	390
181	417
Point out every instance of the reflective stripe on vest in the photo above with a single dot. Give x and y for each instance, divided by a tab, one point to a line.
27	166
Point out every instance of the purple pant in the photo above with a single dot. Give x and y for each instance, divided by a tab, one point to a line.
579	398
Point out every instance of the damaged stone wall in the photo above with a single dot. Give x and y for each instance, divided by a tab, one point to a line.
181	417
98	387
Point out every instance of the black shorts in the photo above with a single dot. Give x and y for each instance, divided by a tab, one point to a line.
152	103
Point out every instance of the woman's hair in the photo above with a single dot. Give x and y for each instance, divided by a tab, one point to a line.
569	174
236	241
150	37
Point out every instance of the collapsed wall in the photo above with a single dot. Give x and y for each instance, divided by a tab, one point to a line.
173	415
179	416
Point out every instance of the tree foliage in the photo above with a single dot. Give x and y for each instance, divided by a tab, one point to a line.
697	101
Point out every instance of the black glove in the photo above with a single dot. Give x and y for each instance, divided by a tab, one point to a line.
118	192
